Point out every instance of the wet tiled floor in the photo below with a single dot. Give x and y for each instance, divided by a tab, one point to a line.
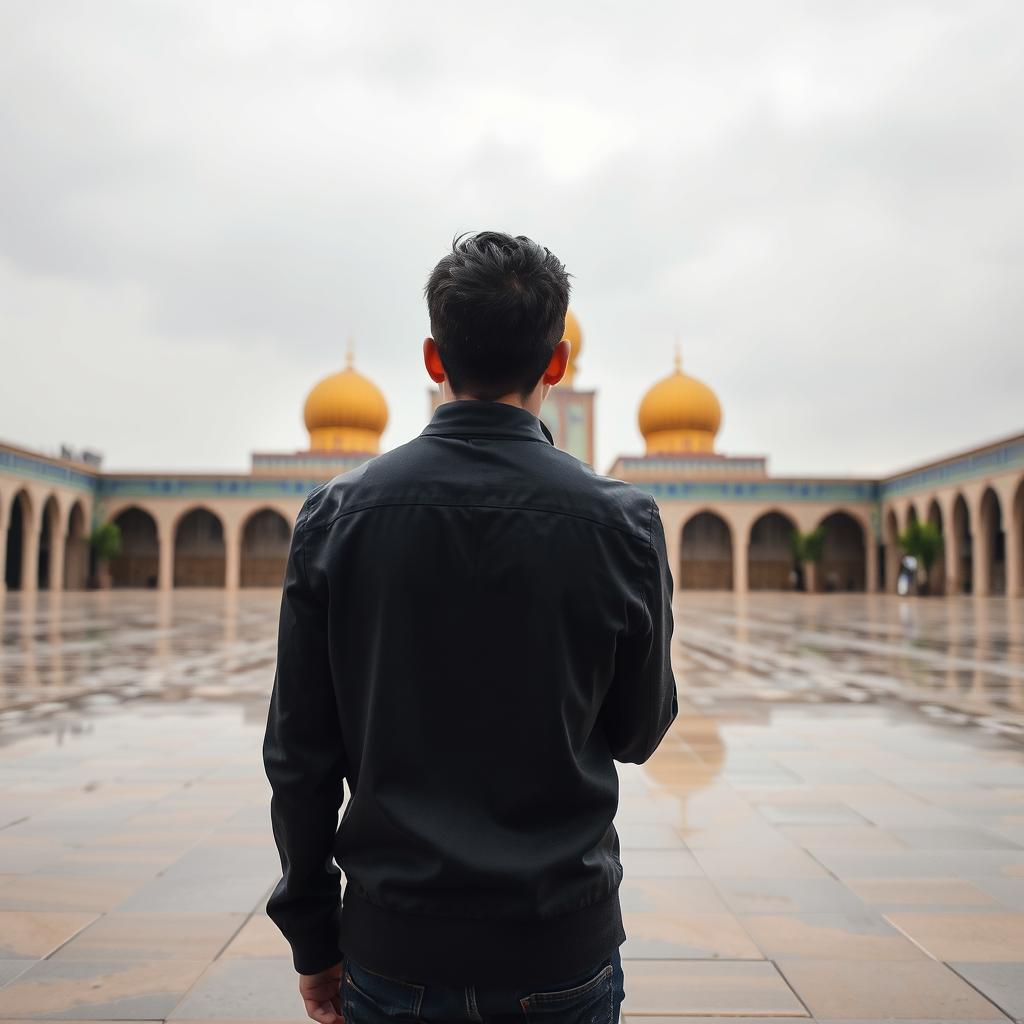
833	829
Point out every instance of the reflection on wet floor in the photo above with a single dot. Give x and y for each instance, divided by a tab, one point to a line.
955	659
65	650
818	836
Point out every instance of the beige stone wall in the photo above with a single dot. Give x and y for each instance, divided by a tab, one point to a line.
974	559
740	517
206	563
982	519
55	523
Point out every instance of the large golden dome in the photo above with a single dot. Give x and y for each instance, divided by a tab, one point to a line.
679	414
346	412
575	338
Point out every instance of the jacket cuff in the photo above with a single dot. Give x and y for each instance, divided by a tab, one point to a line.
316	951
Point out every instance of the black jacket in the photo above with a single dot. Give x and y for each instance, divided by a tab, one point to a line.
473	625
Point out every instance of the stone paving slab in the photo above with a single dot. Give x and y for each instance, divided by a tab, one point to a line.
1003	983
33	934
167	936
127	990
981	936
885	990
860	936
708	987
242	989
670	935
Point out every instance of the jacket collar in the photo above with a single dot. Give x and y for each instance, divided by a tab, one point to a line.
471	417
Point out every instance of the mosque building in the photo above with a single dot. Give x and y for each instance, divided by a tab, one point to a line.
728	522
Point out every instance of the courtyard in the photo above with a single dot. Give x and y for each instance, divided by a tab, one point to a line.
833	829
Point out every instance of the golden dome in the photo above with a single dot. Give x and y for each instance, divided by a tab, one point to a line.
346	412
679	414
575	338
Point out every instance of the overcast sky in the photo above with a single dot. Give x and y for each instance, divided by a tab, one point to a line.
200	202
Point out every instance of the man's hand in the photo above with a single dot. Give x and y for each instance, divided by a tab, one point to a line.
320	993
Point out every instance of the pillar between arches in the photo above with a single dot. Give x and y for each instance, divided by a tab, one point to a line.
953	585
58	552
30	553
981	547
951	550
1014	554
740	553
232	556
870	562
891	543
165	569
1013	534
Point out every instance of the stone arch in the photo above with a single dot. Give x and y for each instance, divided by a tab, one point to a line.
137	564
961	538
992	544
265	539
19	521
937	579
49	532
891	532
76	549
912	514
770	552
706	553
200	553
843	564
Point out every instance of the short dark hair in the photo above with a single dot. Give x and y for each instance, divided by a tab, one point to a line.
497	308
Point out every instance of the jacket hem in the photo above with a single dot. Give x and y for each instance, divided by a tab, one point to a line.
491	951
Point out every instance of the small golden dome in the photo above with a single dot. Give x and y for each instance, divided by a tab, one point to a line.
574	336
679	414
346	412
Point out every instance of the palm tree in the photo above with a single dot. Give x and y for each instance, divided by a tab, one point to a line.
105	542
922	541
808	548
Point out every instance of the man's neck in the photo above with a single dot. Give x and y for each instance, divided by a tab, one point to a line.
513	399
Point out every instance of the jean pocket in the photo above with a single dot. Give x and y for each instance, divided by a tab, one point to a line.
589	1002
374	995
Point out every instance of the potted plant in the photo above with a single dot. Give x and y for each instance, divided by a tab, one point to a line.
922	541
105	544
808	549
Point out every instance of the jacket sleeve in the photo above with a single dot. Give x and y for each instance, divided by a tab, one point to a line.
642	702
304	759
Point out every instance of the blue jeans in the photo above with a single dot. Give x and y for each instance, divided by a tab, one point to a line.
591	997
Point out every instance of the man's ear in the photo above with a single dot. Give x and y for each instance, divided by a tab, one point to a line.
559	361
432	361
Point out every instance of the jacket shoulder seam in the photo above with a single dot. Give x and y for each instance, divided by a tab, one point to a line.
485	437
650	552
300	539
636	535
